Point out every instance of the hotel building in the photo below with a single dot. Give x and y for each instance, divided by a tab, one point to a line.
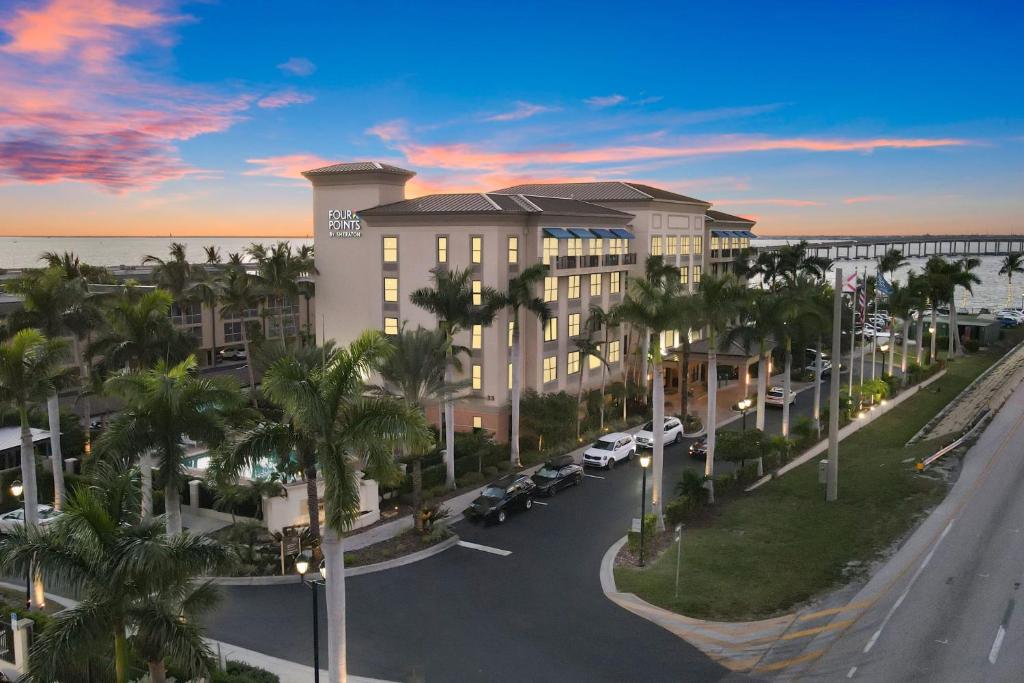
374	247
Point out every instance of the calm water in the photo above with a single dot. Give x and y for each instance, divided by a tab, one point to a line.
990	294
21	252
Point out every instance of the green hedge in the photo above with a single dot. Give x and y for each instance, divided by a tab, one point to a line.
240	672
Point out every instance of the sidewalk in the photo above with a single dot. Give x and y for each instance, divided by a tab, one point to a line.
288	672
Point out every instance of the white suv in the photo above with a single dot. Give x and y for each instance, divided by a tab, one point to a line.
610	449
673	433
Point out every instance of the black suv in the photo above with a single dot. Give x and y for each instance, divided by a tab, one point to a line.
558	473
499	498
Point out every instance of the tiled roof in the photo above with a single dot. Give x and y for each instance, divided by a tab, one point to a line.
358	167
722	217
600	191
492	203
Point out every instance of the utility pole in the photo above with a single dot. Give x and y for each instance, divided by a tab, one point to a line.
832	485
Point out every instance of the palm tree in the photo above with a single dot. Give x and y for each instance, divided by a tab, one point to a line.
602	321
213	256
718	300
902	299
415	374
351	429
74	268
657	306
587	349
794	260
277	273
938	274
138	332
451	300
140	590
207	291
798	313
757	321
891	261
238	295
520	298
1011	263
31	365
162	407
174	274
656	270
962	276
768	265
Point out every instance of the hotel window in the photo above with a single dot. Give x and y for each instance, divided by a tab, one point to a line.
442	249
615	246
232	332
478	422
656	246
476	249
390	325
594	362
684	275
551	329
572	365
478	297
698	245
509	375
574	247
390	250
684	245
477	377
513	250
613	352
574	286
696	273
595	247
391	289
574	324
714	243
550	288
550	369
511	332
595	284
614	283
671	246
477	337
550	251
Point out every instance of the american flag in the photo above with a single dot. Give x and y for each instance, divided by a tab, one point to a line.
862	302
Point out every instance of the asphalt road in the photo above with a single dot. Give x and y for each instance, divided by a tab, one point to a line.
537	614
949	606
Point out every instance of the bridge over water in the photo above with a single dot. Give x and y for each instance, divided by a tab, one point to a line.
853	248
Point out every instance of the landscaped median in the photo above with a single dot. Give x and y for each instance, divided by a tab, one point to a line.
760	554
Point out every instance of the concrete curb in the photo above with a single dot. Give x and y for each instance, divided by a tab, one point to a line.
351	571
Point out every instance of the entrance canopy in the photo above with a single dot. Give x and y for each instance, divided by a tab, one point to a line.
727	354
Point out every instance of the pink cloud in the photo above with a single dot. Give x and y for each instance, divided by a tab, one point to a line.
522	110
284	98
768	201
286	165
601	102
390	131
297	66
864	199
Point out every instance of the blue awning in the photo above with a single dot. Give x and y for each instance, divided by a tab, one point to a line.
624	234
558	233
732	233
582	232
604	233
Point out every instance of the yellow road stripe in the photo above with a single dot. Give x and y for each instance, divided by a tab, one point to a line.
834	610
817	629
784	663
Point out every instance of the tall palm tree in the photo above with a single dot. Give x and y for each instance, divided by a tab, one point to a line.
902	299
31	365
415	374
656	271
352	430
757	321
1011	263
74	267
451	300
657	306
162	407
140	590
277	273
600	320
239	294
587	348
207	291
520	298
799	313
138	332
962	276
174	274
768	266
718	300
938	273
213	256
794	260
891	261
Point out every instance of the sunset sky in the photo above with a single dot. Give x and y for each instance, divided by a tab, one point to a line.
131	117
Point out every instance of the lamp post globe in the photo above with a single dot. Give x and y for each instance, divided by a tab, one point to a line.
17	488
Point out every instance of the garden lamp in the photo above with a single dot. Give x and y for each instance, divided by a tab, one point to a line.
17	488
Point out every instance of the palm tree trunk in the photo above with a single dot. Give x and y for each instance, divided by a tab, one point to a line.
213	324
157	671
417	493
604	377
786	384
337	656
146	480
56	457
712	418
684	377
762	385
645	351
935	333
951	328
892	345
449	428
903	359
658	431
579	393
312	500
517	388
172	507
919	351
30	491
1009	291
120	655
248	363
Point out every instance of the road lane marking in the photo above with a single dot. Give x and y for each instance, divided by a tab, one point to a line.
906	591
593	476
853	670
993	654
484	548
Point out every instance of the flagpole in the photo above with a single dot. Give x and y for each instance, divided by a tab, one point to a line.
863	296
874	338
832	469
853	329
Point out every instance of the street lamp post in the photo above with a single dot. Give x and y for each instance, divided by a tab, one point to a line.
744	407
17	488
302	566
645	461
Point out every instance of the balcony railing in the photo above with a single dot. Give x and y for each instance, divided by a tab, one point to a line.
628	259
592	261
611	259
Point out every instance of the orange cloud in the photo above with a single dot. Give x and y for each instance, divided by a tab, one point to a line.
284	98
390	131
864	199
768	201
286	165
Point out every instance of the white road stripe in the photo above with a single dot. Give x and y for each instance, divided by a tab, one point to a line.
853	670
993	654
906	591
485	548
593	476
537	502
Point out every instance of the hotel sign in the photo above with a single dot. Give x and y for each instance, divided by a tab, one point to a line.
343	223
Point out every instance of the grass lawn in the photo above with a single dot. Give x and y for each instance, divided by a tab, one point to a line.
762	553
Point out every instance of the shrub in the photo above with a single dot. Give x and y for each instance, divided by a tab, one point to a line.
433	515
692	486
547	418
805	431
971	345
436	491
503	465
469	479
692	423
725	483
240	672
679	510
490	472
650	522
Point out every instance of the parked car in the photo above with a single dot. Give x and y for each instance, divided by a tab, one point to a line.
826	363
610	449
774	396
232	354
1011	313
673	433
699	448
15	519
498	499
556	474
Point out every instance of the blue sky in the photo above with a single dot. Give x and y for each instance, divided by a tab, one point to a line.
812	117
